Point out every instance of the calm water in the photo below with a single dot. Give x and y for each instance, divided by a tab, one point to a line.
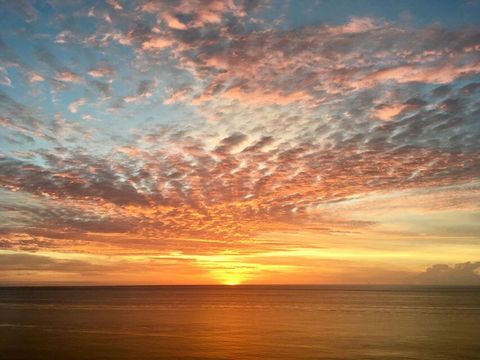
271	322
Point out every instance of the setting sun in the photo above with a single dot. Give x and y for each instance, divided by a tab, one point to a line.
231	278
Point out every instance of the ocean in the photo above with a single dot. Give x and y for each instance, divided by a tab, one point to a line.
240	322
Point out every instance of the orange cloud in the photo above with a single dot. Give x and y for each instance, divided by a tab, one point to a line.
387	112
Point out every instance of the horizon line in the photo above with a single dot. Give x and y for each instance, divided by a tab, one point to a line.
227	285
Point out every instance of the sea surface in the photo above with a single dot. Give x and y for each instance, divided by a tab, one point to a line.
240	322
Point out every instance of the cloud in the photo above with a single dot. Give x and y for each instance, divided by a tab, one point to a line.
102	71
29	262
68	76
198	13
356	25
387	112
157	43
115	4
73	107
328	61
4	79
269	127
444	73
230	142
240	188
459	274
34	77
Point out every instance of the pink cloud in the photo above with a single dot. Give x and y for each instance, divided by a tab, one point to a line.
355	25
257	97
68	76
429	74
157	43
74	106
103	71
115	4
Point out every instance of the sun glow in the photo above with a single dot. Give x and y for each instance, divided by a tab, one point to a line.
232	279
231	283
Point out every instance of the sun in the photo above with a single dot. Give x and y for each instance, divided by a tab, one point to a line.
232	279
231	283
227	272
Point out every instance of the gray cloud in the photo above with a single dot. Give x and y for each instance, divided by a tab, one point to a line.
31	262
459	274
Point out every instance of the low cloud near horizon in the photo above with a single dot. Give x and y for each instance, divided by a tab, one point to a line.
459	274
15	268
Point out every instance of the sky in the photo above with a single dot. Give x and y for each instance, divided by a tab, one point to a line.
239	142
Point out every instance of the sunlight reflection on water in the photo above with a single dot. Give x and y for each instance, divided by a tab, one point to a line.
240	322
